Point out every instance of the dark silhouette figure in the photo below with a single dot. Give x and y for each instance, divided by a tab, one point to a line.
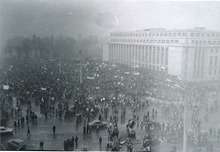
76	141
72	142
28	131
41	145
54	129
100	141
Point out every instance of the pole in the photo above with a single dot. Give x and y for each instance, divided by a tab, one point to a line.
184	126
80	77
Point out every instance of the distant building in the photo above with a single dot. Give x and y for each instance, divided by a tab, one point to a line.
192	55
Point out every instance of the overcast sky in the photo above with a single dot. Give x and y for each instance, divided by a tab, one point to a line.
74	17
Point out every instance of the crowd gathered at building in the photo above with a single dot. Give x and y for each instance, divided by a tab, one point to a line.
139	96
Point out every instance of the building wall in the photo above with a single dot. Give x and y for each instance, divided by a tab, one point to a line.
191	54
175	62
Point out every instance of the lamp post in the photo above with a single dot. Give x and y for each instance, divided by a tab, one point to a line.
184	100
184	126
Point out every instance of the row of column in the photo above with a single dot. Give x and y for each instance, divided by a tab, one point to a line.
201	64
198	66
152	57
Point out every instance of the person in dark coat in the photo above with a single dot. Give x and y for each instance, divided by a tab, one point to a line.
73	142
76	141
28	131
54	129
87	129
84	129
18	123
100	141
15	124
41	145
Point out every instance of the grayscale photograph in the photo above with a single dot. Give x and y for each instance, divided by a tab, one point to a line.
110	75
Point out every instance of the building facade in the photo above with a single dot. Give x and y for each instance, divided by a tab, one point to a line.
192	55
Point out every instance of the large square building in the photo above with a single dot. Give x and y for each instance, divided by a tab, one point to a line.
191	54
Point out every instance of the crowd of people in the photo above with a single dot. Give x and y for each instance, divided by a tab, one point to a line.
87	89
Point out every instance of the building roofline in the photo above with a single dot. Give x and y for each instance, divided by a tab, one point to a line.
196	29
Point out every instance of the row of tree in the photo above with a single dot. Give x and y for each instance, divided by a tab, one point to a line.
42	47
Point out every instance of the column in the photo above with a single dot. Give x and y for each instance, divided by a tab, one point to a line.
145	55
150	57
